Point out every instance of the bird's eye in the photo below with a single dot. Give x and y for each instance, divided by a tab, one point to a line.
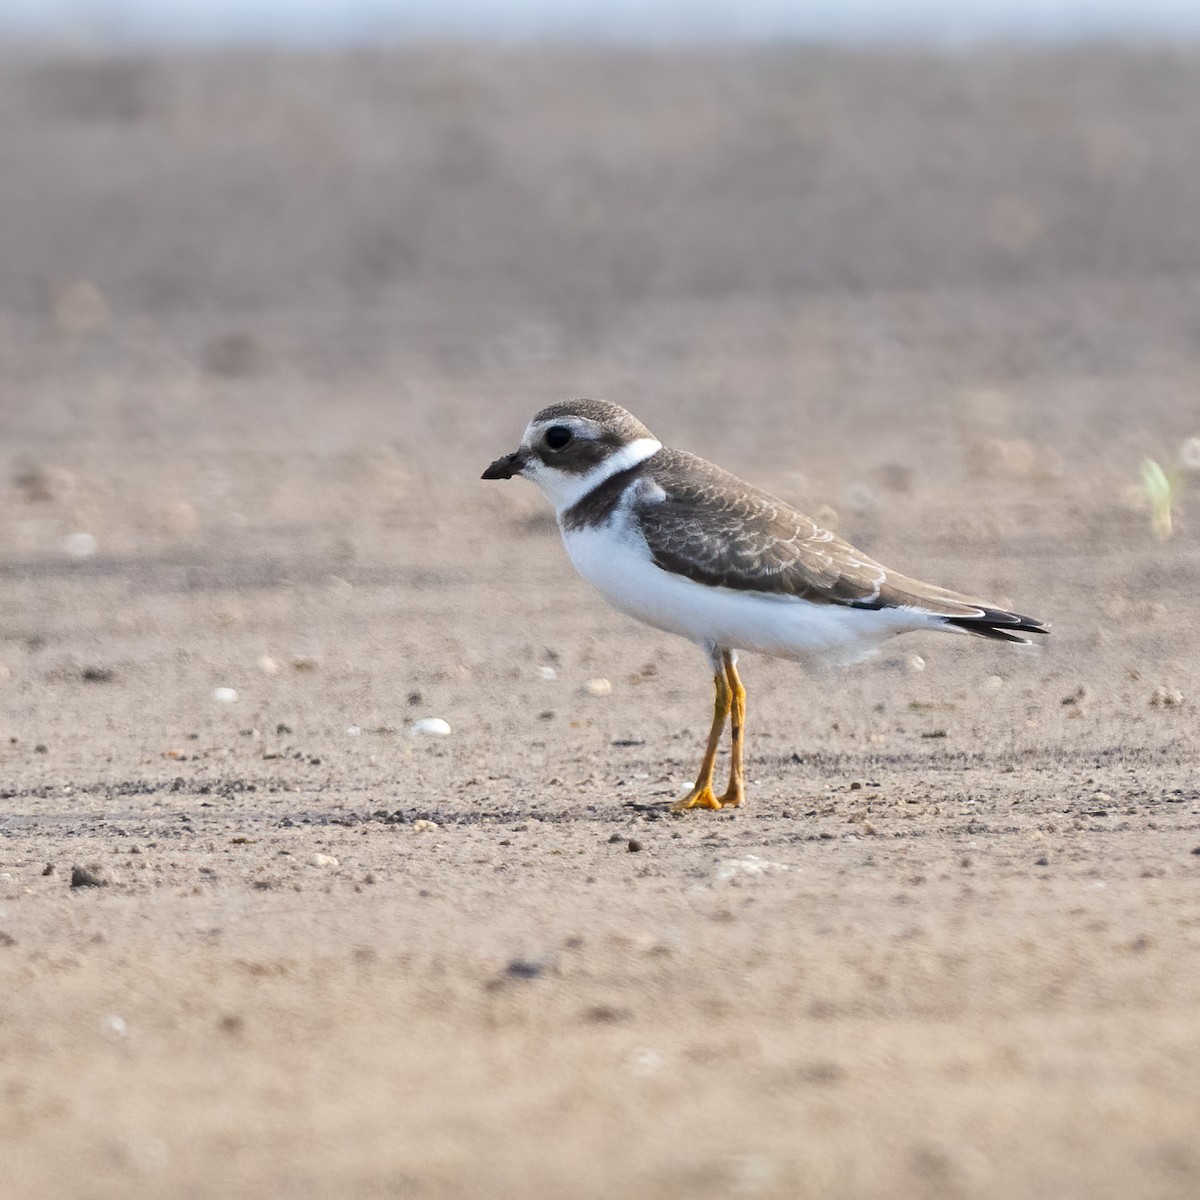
557	436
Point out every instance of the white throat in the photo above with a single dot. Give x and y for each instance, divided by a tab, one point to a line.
564	490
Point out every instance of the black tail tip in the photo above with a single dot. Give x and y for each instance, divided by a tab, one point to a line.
1001	626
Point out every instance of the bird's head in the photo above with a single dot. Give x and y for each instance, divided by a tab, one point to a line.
571	447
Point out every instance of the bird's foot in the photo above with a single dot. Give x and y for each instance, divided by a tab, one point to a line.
731	798
703	797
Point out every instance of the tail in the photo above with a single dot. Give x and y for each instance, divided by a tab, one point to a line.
1000	625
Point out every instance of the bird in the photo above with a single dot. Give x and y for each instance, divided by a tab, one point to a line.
686	547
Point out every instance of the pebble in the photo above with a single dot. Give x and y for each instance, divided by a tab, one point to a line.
524	968
225	695
424	826
751	867
429	727
323	860
79	545
1189	454
597	687
93	875
267	665
549	674
914	663
1166	697
644	1063
114	1026
353	730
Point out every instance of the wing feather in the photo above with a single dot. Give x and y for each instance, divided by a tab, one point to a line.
707	525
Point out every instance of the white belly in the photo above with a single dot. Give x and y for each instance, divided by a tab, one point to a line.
617	563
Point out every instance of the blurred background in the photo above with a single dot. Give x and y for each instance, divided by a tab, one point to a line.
276	281
278	278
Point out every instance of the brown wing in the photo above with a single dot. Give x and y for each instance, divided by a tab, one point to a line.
711	527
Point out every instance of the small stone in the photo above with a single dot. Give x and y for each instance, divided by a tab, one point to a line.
48	869
597	687
353	730
1166	697
323	860
93	875
994	682
429	727
1041	862
225	695
267	665
79	545
523	968
424	826
305	662
41	748
114	1026
914	663
633	846
549	674
607	1014
1078	696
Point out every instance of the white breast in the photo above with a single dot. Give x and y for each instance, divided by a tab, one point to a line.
616	561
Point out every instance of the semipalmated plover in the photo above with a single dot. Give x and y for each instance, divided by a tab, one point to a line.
687	547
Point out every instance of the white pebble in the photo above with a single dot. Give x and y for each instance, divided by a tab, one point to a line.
225	695
750	867
114	1026
353	730
914	663
597	687
644	1063
430	727
1189	454
994	682
425	826
548	673
267	665
80	545
323	860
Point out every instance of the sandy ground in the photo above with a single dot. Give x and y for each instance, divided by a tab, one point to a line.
949	949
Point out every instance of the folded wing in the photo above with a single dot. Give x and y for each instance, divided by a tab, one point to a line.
705	524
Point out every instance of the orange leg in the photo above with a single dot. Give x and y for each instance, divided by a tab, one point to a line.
701	796
735	793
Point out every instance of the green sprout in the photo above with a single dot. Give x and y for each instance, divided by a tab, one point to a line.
1161	490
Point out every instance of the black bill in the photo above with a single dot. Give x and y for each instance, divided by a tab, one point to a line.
506	467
